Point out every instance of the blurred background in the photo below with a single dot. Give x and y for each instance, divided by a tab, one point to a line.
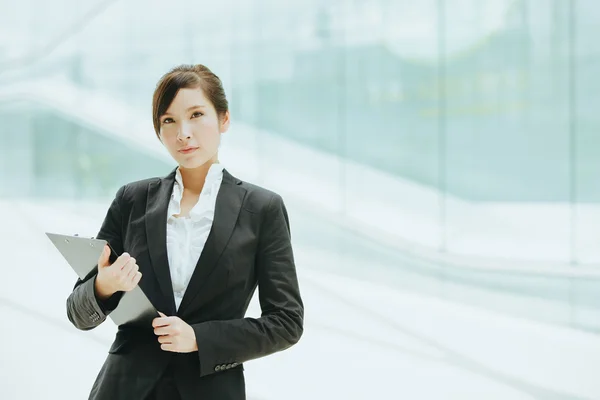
438	159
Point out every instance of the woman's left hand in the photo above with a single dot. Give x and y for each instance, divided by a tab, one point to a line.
174	334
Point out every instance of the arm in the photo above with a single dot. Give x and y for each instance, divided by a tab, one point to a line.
281	323
85	309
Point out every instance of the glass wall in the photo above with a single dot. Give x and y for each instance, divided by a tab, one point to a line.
478	114
46	155
444	150
463	130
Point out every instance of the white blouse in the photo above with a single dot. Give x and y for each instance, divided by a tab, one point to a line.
186	236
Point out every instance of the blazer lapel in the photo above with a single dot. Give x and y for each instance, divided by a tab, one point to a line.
159	194
227	208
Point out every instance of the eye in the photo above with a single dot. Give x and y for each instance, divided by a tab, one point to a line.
197	114
167	121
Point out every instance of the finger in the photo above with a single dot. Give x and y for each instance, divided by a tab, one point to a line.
122	260
168	347
131	262
125	283
134	270
170	330
165	339
136	278
126	269
129	285
163	330
161	321
162	315
103	259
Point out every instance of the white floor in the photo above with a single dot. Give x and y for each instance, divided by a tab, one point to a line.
362	340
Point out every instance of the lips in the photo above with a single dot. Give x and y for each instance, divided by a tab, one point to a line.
188	150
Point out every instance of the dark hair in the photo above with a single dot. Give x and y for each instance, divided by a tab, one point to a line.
187	77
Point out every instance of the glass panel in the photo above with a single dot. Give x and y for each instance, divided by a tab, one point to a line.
391	134
586	126
507	129
51	156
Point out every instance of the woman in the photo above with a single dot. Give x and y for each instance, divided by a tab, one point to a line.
198	242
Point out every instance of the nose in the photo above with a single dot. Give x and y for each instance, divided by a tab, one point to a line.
184	132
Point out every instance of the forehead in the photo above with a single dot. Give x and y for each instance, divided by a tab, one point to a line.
186	98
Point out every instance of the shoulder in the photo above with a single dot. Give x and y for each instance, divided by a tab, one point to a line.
132	190
135	191
260	199
270	208
140	186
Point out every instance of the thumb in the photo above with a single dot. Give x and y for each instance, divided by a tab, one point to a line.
161	314
103	260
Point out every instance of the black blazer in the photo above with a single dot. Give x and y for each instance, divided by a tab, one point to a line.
248	246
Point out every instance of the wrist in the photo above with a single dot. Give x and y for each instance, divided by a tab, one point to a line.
102	291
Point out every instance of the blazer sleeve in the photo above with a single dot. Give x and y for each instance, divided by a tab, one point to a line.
84	309
281	323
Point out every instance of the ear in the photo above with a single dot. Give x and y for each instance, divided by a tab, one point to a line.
224	123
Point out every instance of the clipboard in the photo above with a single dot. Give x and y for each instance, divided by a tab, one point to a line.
82	254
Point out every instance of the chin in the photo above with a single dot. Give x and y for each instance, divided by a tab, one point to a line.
191	163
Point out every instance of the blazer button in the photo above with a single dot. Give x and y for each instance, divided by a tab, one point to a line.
228	366
218	368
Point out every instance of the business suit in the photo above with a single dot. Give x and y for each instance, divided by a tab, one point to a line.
248	245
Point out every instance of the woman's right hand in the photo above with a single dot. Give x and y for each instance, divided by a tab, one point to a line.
122	275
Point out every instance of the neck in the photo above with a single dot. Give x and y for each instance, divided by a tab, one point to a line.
194	178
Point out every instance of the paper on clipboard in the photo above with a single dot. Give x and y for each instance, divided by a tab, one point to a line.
82	254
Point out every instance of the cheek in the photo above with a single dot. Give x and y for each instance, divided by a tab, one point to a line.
172	146
207	133
170	143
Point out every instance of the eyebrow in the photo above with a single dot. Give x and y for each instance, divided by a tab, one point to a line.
189	108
